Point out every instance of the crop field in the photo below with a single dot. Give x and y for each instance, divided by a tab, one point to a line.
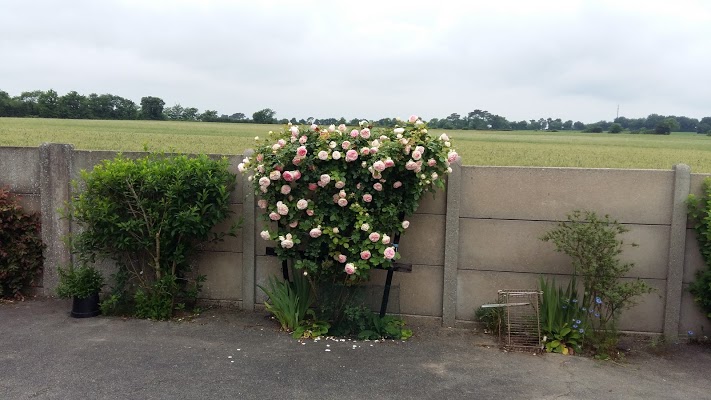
513	148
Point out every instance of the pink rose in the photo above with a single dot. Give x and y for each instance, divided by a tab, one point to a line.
294	130
288	176
281	142
262	204
264	181
312	186
323	155
313	127
297	174
350	269
374	236
365	151
303	139
310	213
386	239
294	224
355	133
301	151
431	162
365	254
275	175
296	160
302	204
274	216
367	198
332	128
412	118
325	178
397	184
285	189
389	253
341	258
342	202
351	155
340	185
452	156
260	157
282	209
314	233
389	163
345	145
411	165
342	194
416	155
379	166
373	150
365	133
378	186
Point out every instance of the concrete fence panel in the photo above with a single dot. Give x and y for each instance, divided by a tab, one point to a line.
631	196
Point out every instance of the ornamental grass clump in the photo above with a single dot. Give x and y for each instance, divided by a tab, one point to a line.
336	196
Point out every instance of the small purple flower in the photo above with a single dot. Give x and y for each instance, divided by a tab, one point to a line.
597	315
575	326
690	333
581	330
575	300
598	300
577	322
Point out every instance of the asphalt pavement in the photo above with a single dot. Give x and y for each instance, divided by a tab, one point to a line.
229	354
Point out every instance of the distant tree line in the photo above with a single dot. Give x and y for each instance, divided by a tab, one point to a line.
48	104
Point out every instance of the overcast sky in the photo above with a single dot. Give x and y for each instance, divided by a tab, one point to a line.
370	59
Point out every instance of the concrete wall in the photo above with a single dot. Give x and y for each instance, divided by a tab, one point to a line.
480	235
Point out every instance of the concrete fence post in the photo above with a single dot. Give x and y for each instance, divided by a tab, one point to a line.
451	246
55	192
249	259
677	244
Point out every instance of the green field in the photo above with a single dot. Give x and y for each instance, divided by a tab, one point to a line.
515	148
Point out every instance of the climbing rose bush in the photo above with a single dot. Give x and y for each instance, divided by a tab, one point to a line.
333	197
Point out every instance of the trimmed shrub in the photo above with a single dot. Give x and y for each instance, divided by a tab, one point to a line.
149	215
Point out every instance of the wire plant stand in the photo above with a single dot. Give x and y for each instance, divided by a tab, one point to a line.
520	324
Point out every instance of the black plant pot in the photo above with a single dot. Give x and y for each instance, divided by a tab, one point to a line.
86	307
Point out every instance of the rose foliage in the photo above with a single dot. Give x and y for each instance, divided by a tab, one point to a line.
334	197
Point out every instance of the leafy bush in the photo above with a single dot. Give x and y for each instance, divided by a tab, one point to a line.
594	247
80	282
700	213
150	215
20	247
564	317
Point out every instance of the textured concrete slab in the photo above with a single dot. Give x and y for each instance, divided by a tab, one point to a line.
20	169
513	245
423	241
224	275
631	196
